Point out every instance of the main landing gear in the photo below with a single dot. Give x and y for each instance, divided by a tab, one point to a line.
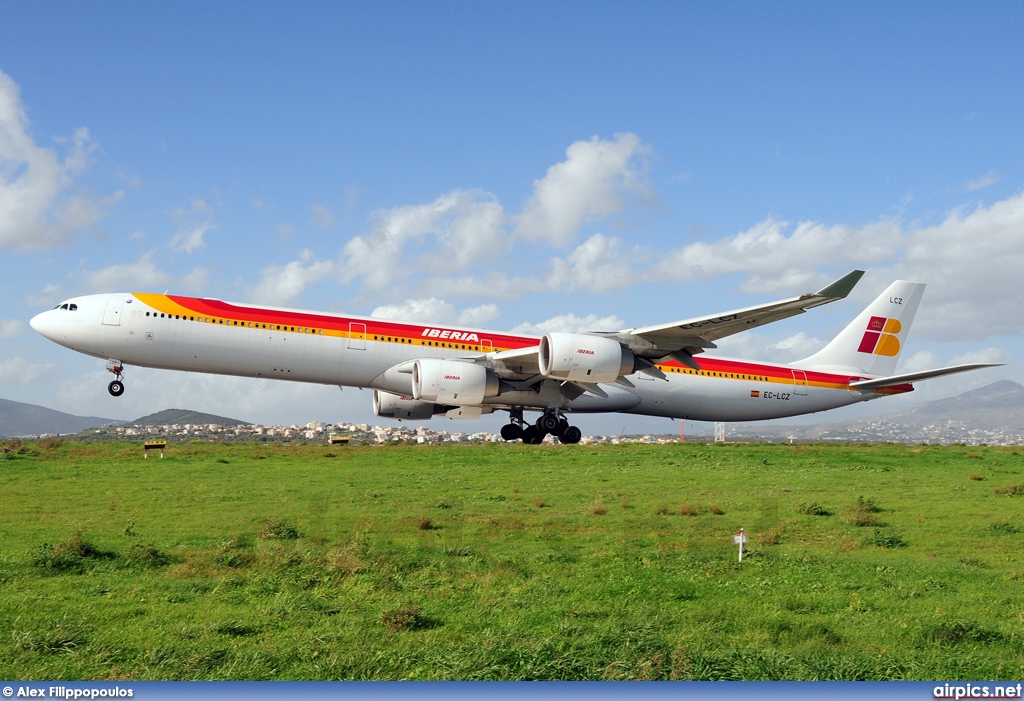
116	387
550	422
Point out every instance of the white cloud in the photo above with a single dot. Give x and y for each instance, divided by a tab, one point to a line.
46	297
982	355
972	263
467	228
597	265
20	371
195	224
437	311
596	179
322	216
759	346
467	225
282	284
9	328
572	323
141	275
779	260
990	178
189	239
489	285
40	204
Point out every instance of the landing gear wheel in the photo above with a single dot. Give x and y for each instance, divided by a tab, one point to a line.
116	388
562	426
532	436
548	423
570	436
511	432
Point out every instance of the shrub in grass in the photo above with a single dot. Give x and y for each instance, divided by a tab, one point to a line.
689	509
345	561
50	443
404	618
597	510
1003	527
957	632
64	636
278	530
453	551
862	513
539	503
662	510
236	629
813	509
868	505
425	524
14	447
977	478
885	540
716	510
68	556
1016	490
146	555
772	536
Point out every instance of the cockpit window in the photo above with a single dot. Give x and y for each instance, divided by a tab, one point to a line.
68	307
73	307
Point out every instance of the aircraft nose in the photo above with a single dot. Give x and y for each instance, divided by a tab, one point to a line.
44	325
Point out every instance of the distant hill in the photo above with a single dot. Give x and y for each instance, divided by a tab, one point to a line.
19	419
994	413
184	416
998	406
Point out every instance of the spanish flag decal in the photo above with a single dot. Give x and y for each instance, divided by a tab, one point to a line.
880	337
755	393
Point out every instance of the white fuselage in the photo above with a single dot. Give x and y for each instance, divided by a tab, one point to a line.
209	336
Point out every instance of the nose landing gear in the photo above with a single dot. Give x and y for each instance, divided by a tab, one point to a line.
116	387
550	422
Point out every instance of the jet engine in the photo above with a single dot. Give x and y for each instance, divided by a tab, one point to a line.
394	406
580	357
452	382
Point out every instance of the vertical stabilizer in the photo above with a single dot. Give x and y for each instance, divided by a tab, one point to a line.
872	343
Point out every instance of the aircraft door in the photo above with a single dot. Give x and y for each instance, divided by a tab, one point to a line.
799	382
112	314
356	336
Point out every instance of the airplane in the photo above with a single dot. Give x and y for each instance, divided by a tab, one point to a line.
420	370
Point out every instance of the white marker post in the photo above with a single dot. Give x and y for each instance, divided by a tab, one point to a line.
740	538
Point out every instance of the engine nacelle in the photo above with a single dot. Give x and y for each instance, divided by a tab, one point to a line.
580	357
452	382
394	406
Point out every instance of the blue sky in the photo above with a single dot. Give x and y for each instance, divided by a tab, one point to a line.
513	166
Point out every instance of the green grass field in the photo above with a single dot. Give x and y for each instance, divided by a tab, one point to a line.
511	562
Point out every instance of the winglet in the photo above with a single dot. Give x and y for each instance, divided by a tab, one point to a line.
841	287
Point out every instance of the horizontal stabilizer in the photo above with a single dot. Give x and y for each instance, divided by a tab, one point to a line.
915	376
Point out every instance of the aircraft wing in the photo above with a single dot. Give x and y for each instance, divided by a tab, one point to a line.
880	382
695	335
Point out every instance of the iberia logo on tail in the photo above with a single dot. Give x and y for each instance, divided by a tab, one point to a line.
880	338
